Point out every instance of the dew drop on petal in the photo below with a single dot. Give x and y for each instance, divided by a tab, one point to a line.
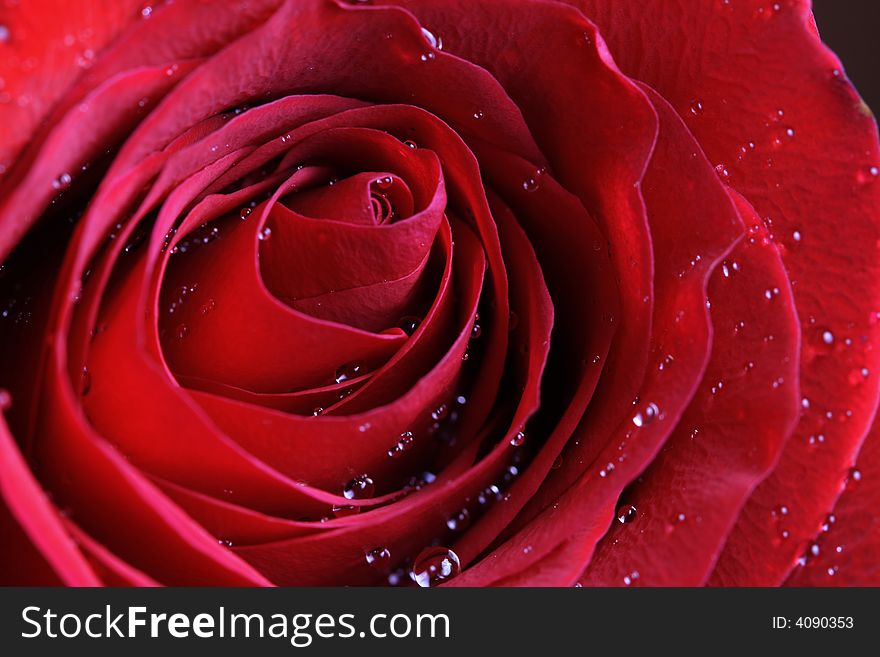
646	416
626	514
409	324
460	521
377	557
385	182
347	372
359	488
404	444
86	382
440	413
518	439
345	510
435	565
433	40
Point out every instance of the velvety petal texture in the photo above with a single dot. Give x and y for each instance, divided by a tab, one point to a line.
435	292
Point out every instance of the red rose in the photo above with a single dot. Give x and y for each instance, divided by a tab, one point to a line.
462	291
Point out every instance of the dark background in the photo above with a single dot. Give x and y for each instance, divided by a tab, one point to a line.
852	29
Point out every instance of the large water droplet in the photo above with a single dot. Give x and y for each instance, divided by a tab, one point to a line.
359	488
434	566
518	439
433	40
265	234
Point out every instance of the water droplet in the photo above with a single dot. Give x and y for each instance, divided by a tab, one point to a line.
830	519
440	413
433	40
460	521
404	444
385	182
409	324
87	57
478	115
359	488
518	439
409	143
626	514
827	337
428	57
208	306
182	331
62	182
696	107
488	495
319	410
347	372
5	34
86	382
477	330
264	234
379	556
533	182
645	417
345	510
434	566
245	213
854	477
796	236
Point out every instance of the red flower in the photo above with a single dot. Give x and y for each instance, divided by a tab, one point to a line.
457	291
